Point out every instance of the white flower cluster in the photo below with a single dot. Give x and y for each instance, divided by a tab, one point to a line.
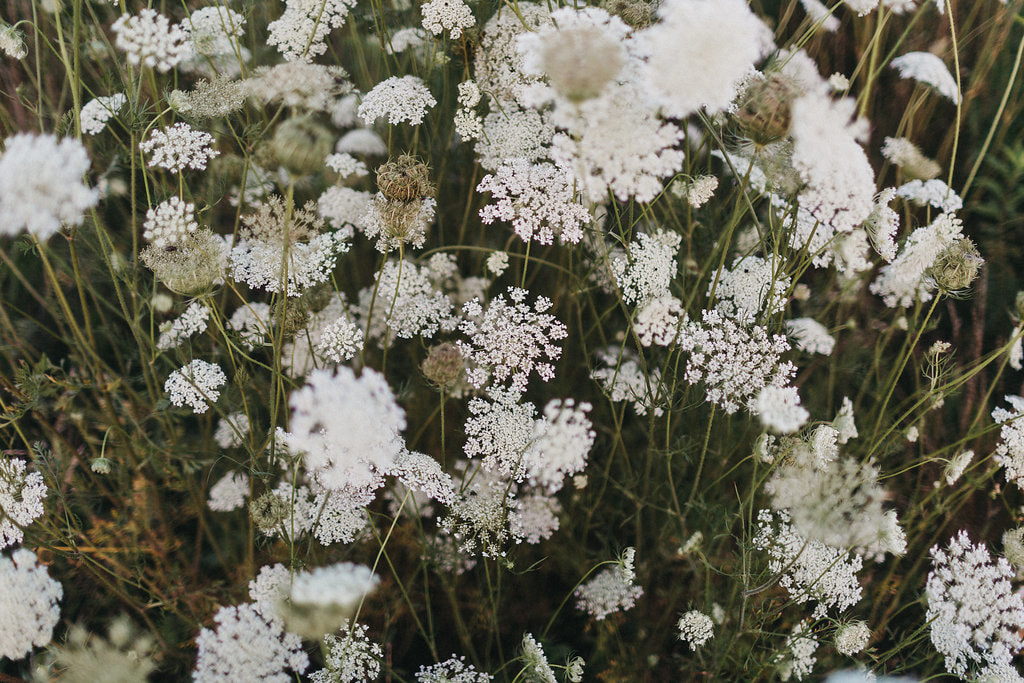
404	98
452	670
697	192
95	113
801	646
169	222
811	336
267	653
349	427
148	39
932	192
509	340
975	614
657	322
560	444
734	362
179	147
447	15
650	266
624	379
420	472
812	570
779	409
344	206
908	156
193	321
537	199
341	585
300	34
258	263
214	34
753	286
929	69
29	604
229	493
852	638
535	661
340	340
195	384
1009	452
406	304
352	657
612	590
231	430
41	184
499	431
695	628
21	500
468	124
903	281
12	42
252	322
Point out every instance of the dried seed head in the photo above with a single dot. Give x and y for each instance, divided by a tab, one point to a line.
301	145
268	512
764	107
636	13
190	268
956	268
443	366
405	179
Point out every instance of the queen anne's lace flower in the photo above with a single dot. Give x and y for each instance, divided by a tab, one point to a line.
453	670
416	308
903	281
753	287
623	379
812	570
350	658
193	321
195	384
560	444
976	617
301	32
811	336
929	69
699	52
537	199
779	409
1010	451
447	15
802	646
734	362
148	38
347	426
657	322
404	98
508	341
229	493
340	340
95	113
612	590
646	272
932	192
41	184
535	662
851	638
267	652
21	500
29	604
169	222
696	628
499	431
179	147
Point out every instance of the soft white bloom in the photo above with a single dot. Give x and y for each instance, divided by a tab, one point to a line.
196	384
533	517
497	262
537	199
405	98
300	33
903	281
732	361
361	141
12	42
193	321
179	147
932	192
657	321
351	658
779	409
340	340
801	646
1010	450
976	617
149	39
820	14
267	652
843	423
499	431
406	38
453	670
510	340
699	52
649	268
907	156
514	133
310	87
861	7
695	629
341	585
611	590
347	426
929	69
882	224
41	185
955	467
21	500
169	222
231	430
498	64
29	604
95	113
346	165
623	379
229	493
405	305
447	15
343	206
754	287
811	336
214	41
536	662
422	473
252	322
812	570
696	192
560	444
851	638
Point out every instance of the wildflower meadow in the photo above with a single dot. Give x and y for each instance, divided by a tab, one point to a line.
507	340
